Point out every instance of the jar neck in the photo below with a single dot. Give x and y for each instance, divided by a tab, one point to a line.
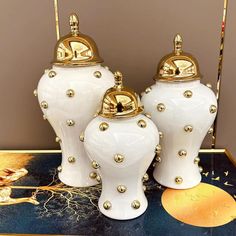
192	83
76	68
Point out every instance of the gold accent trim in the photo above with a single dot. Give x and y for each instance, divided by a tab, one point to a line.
178	66
230	156
57	19
142	123
76	49
188	93
119	158
119	101
136	204
178	180
220	66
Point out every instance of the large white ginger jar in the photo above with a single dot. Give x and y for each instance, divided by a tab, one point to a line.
121	143
184	110
70	94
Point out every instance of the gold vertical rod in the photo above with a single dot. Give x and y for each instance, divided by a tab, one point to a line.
57	19
220	65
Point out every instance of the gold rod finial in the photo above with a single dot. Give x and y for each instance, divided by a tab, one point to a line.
74	24
118	79
178	43
57	19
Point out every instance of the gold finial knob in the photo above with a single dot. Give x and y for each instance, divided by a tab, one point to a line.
178	42
74	24
118	79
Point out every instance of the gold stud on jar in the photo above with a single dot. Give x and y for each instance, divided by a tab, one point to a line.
107	205
142	123
182	153
95	165
93	175
178	180
59	169
103	126
213	109
119	158
148	90
161	135
35	93
210	131
52	74
196	160
70	122
44	104
70	93
95	115
58	140
209	85
97	74
98	178
188	128
121	188
46	70
44	117
71	159
145	177
200	169
158	159
81	137
188	94
158	149
161	107
135	204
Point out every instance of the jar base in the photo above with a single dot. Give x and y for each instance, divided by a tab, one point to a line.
122	212
173	185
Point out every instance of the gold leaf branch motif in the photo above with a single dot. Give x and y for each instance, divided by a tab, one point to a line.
59	200
55	199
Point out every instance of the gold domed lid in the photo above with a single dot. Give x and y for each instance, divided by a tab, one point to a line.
120	102
178	66
76	49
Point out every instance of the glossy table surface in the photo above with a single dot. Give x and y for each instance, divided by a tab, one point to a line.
64	210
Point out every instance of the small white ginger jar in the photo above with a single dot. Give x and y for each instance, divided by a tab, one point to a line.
70	94
184	110
121	143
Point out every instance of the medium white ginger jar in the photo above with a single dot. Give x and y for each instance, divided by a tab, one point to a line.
121	143
70	94
184	110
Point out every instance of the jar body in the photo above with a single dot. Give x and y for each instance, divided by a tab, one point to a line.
183	112
69	98
124	152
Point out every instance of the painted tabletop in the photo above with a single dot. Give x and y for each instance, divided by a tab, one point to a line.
37	203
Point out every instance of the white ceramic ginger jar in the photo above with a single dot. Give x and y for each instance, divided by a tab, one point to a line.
121	143
184	110
70	94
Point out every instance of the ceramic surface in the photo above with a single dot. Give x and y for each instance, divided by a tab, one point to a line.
136	147
69	98
184	118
